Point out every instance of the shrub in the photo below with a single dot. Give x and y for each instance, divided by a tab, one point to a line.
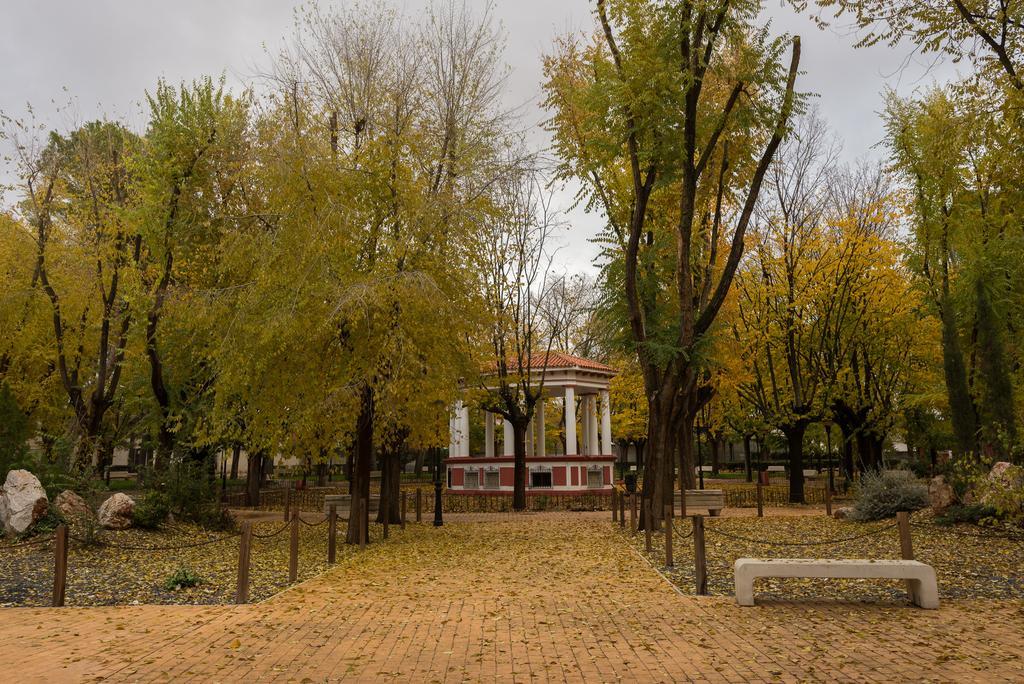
882	494
966	513
48	523
151	511
1004	494
182	578
191	495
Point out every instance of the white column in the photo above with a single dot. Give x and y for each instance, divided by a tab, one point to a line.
606	424
453	437
592	406
464	426
508	448
570	421
488	434
455	430
529	439
541	450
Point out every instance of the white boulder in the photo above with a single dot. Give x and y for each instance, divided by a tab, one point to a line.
22	502
116	512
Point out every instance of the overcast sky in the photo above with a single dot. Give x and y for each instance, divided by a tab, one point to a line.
104	54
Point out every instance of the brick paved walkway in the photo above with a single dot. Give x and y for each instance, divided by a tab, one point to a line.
525	598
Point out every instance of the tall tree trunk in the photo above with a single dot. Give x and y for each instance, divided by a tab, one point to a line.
716	453
961	405
253	476
362	462
236	455
795	441
390	486
746	458
519	473
659	456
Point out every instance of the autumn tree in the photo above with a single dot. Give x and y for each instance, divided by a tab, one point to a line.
515	266
75	198
669	117
188	193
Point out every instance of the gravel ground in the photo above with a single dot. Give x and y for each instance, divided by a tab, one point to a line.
969	562
113	574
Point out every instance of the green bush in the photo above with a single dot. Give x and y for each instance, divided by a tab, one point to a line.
191	495
182	578
881	494
48	523
967	513
14	433
151	511
1004	494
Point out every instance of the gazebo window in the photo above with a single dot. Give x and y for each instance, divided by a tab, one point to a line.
595	479
491	479
540	478
472	480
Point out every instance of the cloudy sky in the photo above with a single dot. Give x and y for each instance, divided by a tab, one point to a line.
102	56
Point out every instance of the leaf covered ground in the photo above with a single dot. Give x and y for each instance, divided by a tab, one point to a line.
969	562
112	573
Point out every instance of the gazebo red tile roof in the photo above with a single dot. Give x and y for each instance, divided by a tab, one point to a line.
557	359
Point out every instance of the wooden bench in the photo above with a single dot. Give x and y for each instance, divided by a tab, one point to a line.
713	500
921	585
344	504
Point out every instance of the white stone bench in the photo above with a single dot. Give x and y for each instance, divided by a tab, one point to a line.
810	473
776	469
707	469
713	500
921	585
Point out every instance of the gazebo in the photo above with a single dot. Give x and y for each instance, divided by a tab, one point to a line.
585	464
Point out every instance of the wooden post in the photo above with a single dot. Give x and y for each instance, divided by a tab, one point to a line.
419	505
615	505
405	505
906	545
668	534
332	534
648	524
387	516
60	564
700	560
828	500
760	499
293	552
682	505
244	548
364	522
622	510
287	503
632	513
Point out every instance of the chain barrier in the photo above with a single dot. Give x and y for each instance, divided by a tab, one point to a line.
132	547
24	544
713	529
272	534
680	535
309	524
